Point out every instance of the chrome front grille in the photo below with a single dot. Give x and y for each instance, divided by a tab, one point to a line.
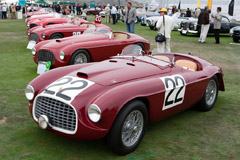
185	26
61	115
45	56
32	25
34	37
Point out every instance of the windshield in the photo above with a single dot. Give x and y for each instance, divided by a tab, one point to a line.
94	30
136	52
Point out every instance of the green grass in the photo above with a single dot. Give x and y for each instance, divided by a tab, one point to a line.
187	135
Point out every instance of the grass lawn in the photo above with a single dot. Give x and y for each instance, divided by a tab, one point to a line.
187	135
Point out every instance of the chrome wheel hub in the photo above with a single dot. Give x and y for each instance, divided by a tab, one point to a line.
132	128
211	92
80	58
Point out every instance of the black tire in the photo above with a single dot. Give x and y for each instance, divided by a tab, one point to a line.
207	105
80	54
151	27
116	135
56	36
141	45
235	39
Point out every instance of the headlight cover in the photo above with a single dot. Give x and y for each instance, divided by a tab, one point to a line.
29	92
61	55
94	113
43	35
33	51
41	24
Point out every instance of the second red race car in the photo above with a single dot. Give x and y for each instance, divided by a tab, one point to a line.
93	46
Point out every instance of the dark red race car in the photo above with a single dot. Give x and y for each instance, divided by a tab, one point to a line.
40	17
56	20
94	45
38	34
118	97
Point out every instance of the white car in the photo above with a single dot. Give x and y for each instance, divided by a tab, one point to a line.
152	21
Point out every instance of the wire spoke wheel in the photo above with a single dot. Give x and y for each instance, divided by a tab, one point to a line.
132	128
80	58
211	92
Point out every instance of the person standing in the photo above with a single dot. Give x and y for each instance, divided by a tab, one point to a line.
130	18
58	8
13	11
203	20
107	13
79	11
4	11
114	13
165	26
188	13
0	10
217	24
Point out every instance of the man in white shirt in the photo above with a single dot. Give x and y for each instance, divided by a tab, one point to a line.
114	13
165	26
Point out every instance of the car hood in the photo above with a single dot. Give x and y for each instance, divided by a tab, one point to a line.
51	27
114	71
85	38
236	28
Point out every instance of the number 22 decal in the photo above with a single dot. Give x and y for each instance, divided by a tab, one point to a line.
68	88
76	33
174	90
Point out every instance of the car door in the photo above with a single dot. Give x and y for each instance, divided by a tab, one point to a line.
225	26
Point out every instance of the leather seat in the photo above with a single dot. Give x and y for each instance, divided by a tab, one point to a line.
164	58
187	64
120	36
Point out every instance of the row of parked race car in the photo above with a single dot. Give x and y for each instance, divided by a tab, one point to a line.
115	97
186	25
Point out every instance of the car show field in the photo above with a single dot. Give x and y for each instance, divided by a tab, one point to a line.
187	135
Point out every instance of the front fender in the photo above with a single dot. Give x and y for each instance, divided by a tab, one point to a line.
112	101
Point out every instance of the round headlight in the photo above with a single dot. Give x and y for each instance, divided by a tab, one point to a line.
43	35
29	92
94	113
61	55
33	51
41	24
28	24
28	33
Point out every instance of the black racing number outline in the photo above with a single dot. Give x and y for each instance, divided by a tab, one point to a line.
60	93
171	91
69	79
63	96
175	83
176	80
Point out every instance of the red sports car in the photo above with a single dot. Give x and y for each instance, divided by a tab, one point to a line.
50	21
40	17
39	12
118	97
93	46
38	34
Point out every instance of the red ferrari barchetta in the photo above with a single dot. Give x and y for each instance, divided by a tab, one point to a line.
96	44
118	97
74	28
